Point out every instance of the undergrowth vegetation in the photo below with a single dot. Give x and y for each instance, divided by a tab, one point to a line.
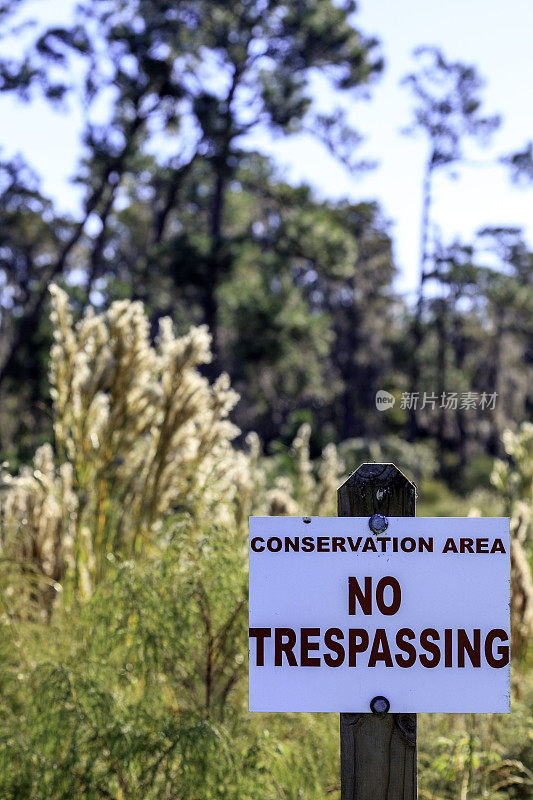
123	590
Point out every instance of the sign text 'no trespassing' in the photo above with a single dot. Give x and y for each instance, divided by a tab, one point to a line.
339	615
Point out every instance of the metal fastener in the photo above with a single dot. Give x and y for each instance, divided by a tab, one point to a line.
378	523
379	705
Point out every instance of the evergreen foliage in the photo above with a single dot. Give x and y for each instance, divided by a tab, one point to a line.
212	349
131	681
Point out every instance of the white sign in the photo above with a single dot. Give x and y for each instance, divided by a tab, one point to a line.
419	614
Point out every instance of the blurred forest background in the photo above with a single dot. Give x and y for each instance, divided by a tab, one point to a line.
205	340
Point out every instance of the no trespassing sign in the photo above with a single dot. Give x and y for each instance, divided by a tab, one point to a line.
419	615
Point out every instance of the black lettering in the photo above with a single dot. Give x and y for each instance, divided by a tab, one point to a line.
369	545
449	546
337	543
292	544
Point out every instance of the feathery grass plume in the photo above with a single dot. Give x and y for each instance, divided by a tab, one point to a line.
330	474
281	503
250	482
514	479
37	527
312	490
139	433
305	483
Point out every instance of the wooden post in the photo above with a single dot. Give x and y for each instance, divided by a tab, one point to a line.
378	754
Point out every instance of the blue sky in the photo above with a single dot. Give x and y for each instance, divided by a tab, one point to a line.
494	36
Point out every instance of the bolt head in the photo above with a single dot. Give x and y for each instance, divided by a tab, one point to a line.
378	523
379	705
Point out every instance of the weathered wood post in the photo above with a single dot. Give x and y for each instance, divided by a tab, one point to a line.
378	753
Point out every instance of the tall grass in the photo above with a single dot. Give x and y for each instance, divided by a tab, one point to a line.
123	591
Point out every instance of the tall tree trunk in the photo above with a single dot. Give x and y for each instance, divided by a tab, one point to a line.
214	259
495	385
29	321
222	171
459	350
441	327
417	329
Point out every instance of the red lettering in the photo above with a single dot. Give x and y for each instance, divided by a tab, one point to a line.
465	645
260	634
380	649
336	647
430	647
396	595
502	650
448	647
281	647
354	646
406	647
305	646
355	594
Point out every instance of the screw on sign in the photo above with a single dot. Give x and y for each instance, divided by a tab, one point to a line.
377	522
378	615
